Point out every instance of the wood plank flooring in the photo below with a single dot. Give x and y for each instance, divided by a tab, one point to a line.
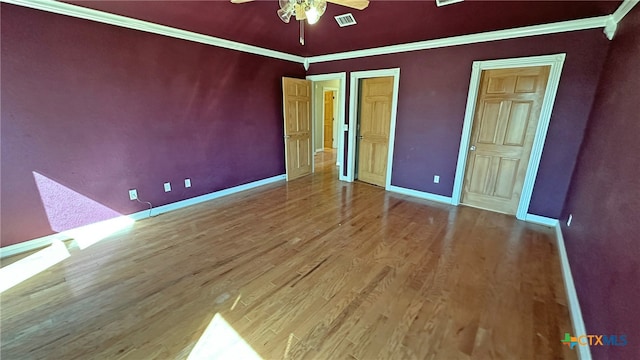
314	268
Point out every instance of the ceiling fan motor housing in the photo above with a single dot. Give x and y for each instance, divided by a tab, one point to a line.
311	10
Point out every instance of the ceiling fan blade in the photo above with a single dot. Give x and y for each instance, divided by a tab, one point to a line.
240	1
355	4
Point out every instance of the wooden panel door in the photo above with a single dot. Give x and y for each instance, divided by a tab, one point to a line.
328	119
504	126
297	126
375	125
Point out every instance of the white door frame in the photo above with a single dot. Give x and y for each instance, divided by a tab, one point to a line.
556	62
353	117
335	128
342	76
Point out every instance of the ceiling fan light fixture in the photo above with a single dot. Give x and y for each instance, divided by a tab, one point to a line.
285	14
284	3
314	9
312	15
321	6
287	9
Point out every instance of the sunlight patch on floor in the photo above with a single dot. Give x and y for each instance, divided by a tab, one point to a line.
88	235
77	216
221	341
13	274
71	214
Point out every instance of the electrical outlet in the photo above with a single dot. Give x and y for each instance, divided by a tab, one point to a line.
569	219
167	187
187	183
133	194
436	179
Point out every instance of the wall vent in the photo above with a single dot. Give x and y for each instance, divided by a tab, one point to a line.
447	2
345	20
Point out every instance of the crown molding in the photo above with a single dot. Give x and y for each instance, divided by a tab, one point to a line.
617	16
624	9
607	22
534	30
126	22
611	27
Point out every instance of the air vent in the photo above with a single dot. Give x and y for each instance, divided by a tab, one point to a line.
447	2
345	20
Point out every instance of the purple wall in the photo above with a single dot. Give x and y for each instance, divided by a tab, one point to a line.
604	198
99	109
433	92
91	110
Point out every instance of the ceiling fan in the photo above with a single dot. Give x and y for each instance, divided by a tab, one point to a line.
309	10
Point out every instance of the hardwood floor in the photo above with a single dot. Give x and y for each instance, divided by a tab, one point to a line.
314	268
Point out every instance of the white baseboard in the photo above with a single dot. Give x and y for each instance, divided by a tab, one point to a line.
70	234
38	243
584	352
202	198
419	194
19	271
541	220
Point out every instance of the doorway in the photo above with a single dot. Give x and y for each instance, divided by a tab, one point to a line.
373	106
328	124
506	116
506	121
373	126
296	99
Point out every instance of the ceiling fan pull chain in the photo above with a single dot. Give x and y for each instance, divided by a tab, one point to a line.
301	32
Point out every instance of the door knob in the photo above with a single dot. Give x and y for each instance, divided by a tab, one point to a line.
360	137
472	148
287	136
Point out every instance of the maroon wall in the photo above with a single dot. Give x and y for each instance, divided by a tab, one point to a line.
101	109
604	198
433	92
